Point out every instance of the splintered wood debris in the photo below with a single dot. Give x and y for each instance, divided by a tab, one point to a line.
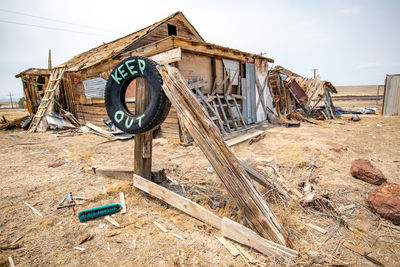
297	97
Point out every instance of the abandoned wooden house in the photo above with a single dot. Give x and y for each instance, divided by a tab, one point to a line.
228	82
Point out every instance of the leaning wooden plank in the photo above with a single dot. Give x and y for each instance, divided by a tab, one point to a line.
242	138
222	159
244	235
167	57
204	215
177	201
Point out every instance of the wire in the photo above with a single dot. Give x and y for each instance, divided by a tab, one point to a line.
52	28
50	19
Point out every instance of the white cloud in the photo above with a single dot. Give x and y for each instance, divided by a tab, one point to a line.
368	65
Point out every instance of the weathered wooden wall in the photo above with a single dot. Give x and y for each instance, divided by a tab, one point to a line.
193	67
93	110
209	69
162	32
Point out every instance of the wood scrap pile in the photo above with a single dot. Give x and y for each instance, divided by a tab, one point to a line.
6	124
307	97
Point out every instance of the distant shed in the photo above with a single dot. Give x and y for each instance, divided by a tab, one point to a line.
391	98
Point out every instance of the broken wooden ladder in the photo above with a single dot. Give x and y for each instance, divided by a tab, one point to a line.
47	101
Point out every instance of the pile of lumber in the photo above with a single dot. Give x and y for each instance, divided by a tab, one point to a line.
6	124
296	94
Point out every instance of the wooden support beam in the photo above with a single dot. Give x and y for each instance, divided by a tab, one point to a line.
226	165
143	142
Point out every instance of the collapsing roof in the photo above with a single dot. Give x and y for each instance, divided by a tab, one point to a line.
117	47
142	39
34	71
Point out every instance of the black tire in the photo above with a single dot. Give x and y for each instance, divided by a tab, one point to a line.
158	108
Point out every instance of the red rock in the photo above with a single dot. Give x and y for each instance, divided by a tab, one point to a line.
385	200
363	170
56	164
336	147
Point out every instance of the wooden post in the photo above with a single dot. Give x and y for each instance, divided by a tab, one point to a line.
143	142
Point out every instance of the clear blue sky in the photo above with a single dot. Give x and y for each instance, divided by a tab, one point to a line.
349	42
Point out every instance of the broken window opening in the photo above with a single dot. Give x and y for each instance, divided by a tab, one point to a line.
171	30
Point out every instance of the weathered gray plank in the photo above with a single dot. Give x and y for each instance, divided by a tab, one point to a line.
226	165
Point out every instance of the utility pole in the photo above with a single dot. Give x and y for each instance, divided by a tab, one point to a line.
12	106
49	61
315	72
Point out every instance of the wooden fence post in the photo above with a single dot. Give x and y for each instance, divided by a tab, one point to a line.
144	141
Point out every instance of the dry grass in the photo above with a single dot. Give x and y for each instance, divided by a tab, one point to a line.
50	240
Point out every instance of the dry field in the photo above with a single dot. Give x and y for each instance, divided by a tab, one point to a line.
50	240
369	96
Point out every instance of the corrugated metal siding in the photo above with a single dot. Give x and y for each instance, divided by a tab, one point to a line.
94	87
391	104
249	91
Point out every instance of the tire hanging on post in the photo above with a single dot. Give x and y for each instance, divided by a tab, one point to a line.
120	78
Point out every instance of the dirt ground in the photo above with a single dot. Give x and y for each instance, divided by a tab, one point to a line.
50	240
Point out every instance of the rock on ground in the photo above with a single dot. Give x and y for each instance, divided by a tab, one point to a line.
385	200
363	170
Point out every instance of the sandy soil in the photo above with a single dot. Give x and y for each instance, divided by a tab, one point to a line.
50	240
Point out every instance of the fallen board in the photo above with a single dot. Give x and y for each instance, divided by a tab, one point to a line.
243	138
177	201
239	233
246	236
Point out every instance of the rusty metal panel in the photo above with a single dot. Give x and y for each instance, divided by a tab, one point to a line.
298	91
391	99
